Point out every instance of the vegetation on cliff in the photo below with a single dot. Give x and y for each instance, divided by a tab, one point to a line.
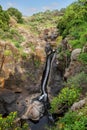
72	24
10	123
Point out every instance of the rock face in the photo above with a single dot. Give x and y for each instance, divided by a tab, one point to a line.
20	81
56	79
7	60
10	102
75	65
6	97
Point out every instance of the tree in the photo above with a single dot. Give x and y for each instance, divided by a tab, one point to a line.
16	13
4	19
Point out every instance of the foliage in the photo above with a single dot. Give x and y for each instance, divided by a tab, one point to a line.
78	80
37	62
58	40
83	58
4	19
8	123
73	121
13	35
67	96
24	55
7	52
32	46
74	23
15	12
43	20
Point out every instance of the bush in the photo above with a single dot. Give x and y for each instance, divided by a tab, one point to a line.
83	58
13	35
78	80
24	55
67	96
4	19
8	123
16	13
74	23
73	121
7	53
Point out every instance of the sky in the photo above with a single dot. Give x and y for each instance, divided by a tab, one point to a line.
29	7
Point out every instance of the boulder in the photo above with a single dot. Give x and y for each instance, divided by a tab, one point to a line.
75	53
34	111
78	105
74	66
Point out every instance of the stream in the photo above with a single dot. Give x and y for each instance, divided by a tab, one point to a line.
45	120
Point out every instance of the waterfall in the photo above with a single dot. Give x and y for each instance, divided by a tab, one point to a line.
39	105
45	76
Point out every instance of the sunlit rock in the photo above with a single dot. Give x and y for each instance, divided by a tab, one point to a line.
78	105
75	53
34	111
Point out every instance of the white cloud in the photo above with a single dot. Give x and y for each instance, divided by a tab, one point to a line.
32	9
51	6
46	8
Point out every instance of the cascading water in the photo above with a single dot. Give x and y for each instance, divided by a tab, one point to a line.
39	105
45	76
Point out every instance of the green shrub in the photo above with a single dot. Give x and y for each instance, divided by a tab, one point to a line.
74	24
13	35
72	121
8	123
83	58
67	96
7	52
17	44
78	80
24	55
15	12
4	19
37	62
